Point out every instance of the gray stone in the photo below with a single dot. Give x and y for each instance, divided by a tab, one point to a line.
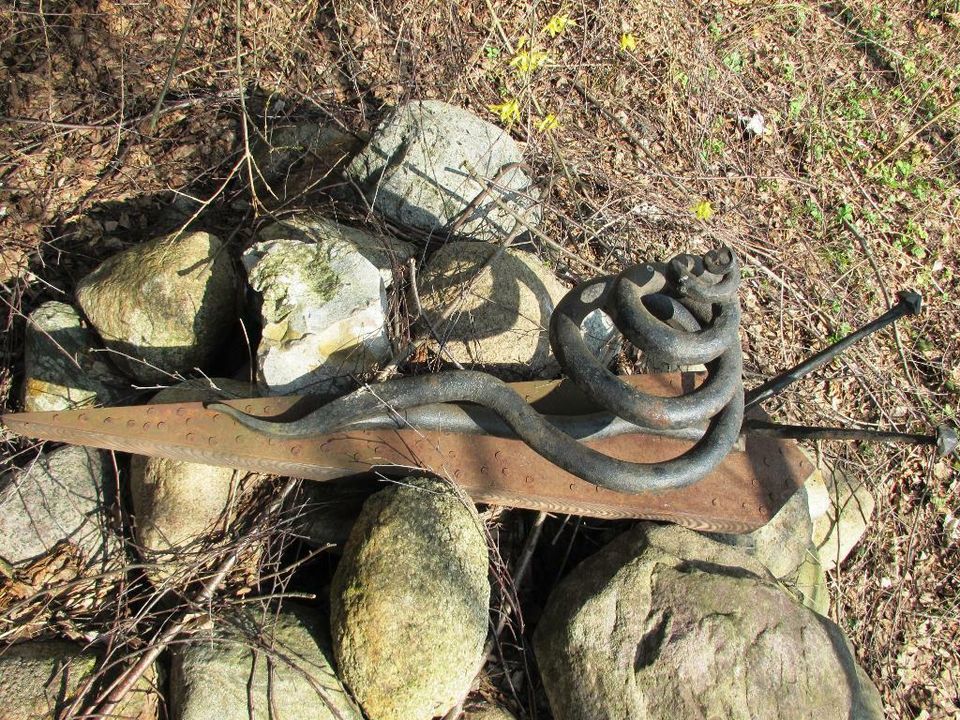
410	600
165	305
665	623
324	303
40	680
62	369
501	323
178	504
279	663
841	510
422	165
782	544
58	497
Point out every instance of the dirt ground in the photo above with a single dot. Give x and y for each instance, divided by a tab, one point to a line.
819	140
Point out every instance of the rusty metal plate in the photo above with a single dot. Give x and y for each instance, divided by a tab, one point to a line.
743	493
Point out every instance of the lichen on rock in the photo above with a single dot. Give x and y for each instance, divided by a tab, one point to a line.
665	623
409	601
324	303
62	366
163	306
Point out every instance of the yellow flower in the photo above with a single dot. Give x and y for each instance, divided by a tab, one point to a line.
703	210
509	110
549	122
628	42
527	62
558	23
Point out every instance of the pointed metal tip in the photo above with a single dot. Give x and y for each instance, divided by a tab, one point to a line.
946	440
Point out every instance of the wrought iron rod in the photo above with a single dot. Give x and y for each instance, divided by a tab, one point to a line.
909	304
945	439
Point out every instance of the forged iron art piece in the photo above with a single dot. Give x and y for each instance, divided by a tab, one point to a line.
680	313
664	445
684	312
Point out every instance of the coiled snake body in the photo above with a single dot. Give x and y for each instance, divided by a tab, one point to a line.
684	312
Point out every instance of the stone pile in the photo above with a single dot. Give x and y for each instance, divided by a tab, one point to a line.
664	622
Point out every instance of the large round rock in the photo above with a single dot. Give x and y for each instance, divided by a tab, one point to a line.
164	306
665	623
409	601
60	496
439	167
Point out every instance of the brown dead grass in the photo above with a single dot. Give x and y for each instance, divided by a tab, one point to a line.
850	195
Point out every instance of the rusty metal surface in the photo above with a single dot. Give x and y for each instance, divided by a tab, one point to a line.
741	494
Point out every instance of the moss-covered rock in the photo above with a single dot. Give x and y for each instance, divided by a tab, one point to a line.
164	306
40	680
410	601
665	623
323	302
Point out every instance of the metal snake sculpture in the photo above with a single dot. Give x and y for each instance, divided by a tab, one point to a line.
684	312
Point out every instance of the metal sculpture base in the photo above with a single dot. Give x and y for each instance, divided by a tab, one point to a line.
739	495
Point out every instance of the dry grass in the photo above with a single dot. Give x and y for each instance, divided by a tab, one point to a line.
849	195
